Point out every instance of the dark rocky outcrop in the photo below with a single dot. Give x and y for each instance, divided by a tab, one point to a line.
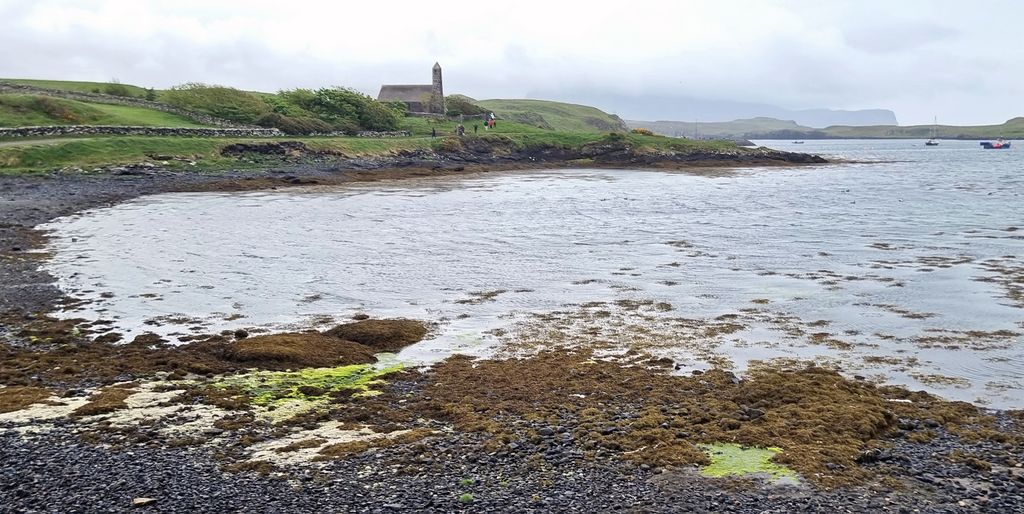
268	148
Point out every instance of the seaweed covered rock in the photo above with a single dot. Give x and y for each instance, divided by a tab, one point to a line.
301	349
383	335
15	398
351	343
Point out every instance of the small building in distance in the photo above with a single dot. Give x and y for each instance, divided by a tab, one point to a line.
426	98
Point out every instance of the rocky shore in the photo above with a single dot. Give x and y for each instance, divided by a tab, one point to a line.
309	422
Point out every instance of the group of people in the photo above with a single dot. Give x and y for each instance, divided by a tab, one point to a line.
490	121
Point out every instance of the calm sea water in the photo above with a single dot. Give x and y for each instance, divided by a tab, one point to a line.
912	262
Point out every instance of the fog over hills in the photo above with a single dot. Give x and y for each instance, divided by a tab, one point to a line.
683	108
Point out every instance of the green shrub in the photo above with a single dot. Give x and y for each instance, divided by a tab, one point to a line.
293	125
341	108
459	105
117	89
397	106
296	102
55	109
348	127
296	111
223	102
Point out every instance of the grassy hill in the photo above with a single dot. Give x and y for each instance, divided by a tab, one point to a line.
555	115
252	107
29	110
86	87
1013	128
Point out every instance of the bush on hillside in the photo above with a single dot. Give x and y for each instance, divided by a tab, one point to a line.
343	109
642	131
460	105
55	109
296	111
116	88
400	107
293	125
224	102
295	102
341	104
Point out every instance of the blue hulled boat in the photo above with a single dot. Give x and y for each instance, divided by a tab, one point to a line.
998	145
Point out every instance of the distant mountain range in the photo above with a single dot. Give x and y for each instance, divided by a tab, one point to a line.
665	107
771	128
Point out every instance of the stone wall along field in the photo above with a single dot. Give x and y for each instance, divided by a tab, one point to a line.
75	130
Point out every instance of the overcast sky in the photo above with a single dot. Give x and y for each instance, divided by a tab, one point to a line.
960	61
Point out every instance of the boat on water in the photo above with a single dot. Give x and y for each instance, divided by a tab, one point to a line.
931	138
798	142
999	144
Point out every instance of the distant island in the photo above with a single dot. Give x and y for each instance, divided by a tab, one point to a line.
674	107
772	128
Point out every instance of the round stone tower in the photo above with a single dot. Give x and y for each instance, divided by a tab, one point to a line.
437	92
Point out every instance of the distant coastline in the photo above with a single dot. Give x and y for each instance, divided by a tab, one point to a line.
771	128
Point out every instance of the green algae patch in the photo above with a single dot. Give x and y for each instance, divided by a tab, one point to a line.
285	394
728	459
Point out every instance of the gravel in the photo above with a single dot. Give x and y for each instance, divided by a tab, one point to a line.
57	472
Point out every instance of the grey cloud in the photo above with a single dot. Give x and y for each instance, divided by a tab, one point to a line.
834	55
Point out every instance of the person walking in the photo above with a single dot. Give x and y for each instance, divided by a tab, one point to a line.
475	128
433	131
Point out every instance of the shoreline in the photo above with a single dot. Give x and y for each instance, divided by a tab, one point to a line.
28	200
530	453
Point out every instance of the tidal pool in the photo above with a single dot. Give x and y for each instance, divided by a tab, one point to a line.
908	270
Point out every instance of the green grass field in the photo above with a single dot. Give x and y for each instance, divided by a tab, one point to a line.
34	155
69	85
554	115
29	110
422	126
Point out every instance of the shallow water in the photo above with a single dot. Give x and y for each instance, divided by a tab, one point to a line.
911	260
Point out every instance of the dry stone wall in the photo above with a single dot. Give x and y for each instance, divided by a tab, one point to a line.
120	130
79	130
375	134
224	128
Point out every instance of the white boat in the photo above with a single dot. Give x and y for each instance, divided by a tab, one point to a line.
931	140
